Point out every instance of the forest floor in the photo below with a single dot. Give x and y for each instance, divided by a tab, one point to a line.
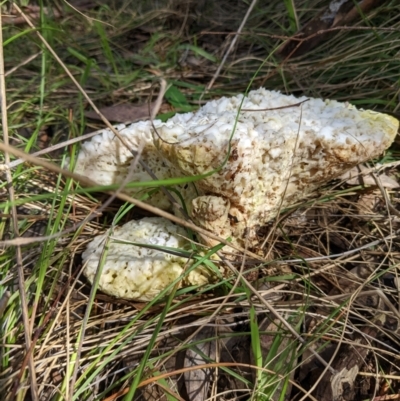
337	291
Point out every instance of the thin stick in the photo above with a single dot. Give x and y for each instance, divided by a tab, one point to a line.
81	138
90	183
273	229
27	61
278	108
232	45
18	252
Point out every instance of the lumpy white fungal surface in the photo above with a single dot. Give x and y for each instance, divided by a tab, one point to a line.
276	154
267	152
136	272
105	160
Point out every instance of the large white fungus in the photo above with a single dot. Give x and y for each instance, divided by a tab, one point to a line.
278	153
136	272
266	151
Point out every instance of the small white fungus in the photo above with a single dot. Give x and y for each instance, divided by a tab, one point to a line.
135	272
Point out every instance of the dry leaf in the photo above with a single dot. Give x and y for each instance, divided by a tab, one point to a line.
198	381
350	359
123	113
360	175
387	182
367	202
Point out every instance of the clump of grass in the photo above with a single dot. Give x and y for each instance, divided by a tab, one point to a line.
88	346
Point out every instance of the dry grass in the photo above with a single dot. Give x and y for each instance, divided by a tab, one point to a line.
329	267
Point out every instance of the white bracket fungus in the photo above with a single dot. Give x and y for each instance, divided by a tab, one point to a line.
278	153
268	150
